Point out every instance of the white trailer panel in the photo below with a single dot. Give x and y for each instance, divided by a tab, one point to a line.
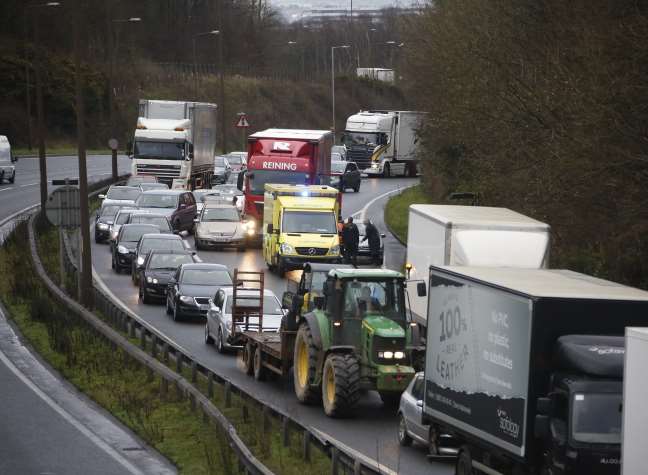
635	395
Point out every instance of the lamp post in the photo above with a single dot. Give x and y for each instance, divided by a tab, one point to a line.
296	69
195	61
333	48
114	47
40	114
369	32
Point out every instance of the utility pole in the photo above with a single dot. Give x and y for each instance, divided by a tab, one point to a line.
86	295
27	85
195	60
221	65
333	48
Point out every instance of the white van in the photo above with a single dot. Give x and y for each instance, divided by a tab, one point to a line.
7	159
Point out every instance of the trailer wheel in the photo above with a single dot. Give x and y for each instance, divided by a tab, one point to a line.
305	366
248	358
340	384
464	463
259	370
404	438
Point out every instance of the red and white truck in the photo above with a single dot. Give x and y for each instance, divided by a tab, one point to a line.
287	157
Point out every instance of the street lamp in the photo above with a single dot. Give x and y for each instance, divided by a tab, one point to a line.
333	48
40	114
369	31
294	43
195	61
114	47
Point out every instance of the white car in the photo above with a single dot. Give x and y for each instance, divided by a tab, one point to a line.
218	328
7	159
120	195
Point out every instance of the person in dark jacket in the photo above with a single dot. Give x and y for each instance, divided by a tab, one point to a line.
373	236
351	239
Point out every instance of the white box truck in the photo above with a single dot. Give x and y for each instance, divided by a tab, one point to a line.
480	236
383	143
635	395
175	141
377	74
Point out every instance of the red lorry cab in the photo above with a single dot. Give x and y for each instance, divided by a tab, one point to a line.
285	156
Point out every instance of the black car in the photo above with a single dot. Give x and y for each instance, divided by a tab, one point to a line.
104	219
154	242
192	286
124	248
345	175
158	268
159	220
363	248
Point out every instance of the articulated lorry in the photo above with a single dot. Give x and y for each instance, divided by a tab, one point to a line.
355	339
286	156
524	368
383	143
175	141
300	225
476	236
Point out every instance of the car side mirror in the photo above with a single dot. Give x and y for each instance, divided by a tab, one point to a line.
190	152
14	159
172	282
421	289
541	426
196	220
286	299
419	403
382	235
101	197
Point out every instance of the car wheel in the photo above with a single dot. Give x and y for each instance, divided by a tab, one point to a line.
133	275
357	187
13	178
220	344
145	298
97	240
112	263
176	313
199	246
404	438
169	310
1	177
208	338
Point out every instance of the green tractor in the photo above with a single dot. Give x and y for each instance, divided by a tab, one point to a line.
357	337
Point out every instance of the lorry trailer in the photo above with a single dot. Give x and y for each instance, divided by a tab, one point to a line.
477	236
524	367
175	141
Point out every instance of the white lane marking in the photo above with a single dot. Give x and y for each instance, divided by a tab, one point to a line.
358	455
29	184
68	417
363	212
7	189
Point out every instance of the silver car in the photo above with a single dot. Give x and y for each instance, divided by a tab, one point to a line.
122	217
120	195
411	428
218	328
220	225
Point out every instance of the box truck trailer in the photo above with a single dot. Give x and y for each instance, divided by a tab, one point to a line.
476	236
175	141
524	368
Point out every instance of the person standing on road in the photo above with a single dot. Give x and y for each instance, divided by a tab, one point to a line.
373	236
340	230
351	239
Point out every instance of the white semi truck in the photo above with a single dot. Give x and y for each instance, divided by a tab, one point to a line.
175	141
635	395
383	143
478	236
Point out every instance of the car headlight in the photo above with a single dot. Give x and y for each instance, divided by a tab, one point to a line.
335	250
102	226
186	299
122	249
286	248
251	224
140	260
151	280
374	165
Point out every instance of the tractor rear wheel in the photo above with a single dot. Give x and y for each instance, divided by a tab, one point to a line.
340	384
305	366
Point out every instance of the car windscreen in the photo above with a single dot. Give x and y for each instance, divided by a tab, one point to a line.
338	167
161	245
219	162
212	277
596	418
220	214
157	201
234	160
159	221
169	261
163	150
122	217
261	177
153	186
123	193
132	234
309	222
231	190
109	211
271	305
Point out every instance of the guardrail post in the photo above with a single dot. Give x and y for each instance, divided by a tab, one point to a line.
266	420
179	358
244	412
131	329
335	460
306	446
194	372
357	467
154	346
192	402
164	387
165	352
228	394
143	338
285	432
210	384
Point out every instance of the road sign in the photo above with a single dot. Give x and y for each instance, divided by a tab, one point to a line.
242	121
113	144
62	207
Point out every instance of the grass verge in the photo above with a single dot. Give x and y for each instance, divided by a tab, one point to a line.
397	210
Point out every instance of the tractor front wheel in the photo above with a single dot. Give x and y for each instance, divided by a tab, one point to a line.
340	384
305	366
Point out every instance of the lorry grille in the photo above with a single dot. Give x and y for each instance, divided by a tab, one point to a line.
312	251
382	344
171	171
361	156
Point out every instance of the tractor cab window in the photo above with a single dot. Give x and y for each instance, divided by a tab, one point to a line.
373	298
